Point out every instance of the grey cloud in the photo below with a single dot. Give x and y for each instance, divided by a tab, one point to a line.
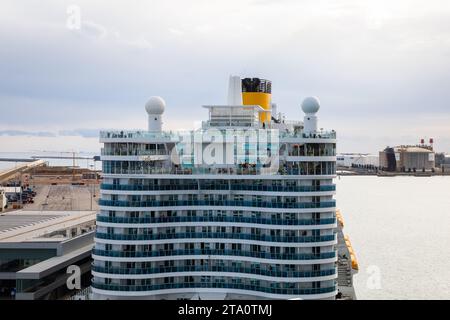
51	77
27	133
85	133
92	29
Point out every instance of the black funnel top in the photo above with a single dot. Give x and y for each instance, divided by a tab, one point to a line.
256	85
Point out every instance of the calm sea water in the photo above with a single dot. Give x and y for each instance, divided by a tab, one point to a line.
400	230
54	162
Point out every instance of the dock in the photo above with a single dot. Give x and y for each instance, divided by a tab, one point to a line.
347	263
63	157
17	160
379	173
8	174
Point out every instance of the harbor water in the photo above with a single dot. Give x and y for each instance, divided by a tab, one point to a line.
399	228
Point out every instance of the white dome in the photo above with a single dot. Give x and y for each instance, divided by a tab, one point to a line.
310	105
155	105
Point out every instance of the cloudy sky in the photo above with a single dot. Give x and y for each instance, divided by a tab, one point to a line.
380	68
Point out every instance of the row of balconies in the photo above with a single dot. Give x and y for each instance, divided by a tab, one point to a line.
205	268
230	203
213	263
295	152
132	152
213	285
143	167
170	135
215	235
268	221
219	252
232	186
317	150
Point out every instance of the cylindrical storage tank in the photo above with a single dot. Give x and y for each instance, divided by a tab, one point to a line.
418	159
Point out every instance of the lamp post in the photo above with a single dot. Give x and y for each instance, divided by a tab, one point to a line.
92	187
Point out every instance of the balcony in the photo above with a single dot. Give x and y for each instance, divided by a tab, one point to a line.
136	135
226	203
216	171
215	235
267	221
196	252
213	285
172	135
121	187
234	187
123	152
250	271
315	135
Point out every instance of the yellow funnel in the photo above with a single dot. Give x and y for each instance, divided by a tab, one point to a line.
256	91
261	99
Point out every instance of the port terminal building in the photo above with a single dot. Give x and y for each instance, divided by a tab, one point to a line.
350	160
36	248
408	158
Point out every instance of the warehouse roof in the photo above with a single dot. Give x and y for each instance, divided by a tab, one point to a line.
26	226
413	149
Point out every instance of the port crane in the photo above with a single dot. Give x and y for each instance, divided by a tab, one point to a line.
74	153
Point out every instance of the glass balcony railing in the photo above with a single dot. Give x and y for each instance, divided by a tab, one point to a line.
221	285
321	153
250	271
136	135
216	171
234	187
314	135
266	221
227	203
139	152
215	235
122	187
144	152
174	136
236	253
284	188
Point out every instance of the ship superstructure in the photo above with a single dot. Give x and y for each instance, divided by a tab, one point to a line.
241	208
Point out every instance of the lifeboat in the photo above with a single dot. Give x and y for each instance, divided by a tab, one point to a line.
352	253
339	218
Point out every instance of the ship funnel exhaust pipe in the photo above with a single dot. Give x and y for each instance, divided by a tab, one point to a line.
235	91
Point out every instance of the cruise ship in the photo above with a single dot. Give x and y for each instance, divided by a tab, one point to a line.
241	207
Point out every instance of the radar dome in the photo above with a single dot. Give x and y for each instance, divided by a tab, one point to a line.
310	105
155	105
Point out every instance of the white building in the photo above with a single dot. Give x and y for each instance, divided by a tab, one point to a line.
216	212
357	159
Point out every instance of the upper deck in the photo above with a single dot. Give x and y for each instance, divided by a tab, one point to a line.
141	136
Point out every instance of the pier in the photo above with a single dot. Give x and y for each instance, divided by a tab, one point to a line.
63	157
344	171
5	175
16	160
